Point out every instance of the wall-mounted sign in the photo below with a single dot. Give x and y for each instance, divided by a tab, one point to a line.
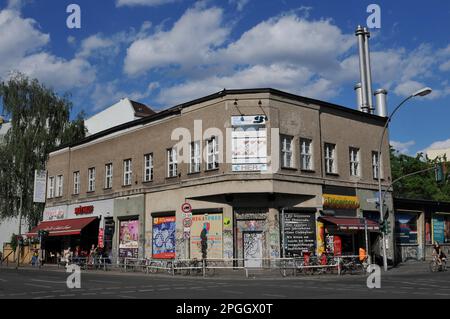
40	182
100	237
248	120
84	210
340	201
186	208
56	214
299	232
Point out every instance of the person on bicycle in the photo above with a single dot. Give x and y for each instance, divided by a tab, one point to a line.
439	253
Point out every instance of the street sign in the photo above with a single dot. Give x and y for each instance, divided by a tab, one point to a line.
373	200
187	222
187	234
186	208
40	181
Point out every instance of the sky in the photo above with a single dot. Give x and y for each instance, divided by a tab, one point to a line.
166	52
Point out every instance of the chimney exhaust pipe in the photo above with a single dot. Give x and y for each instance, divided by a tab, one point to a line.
361	34
368	71
380	97
358	91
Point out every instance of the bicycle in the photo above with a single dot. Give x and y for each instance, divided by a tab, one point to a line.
436	266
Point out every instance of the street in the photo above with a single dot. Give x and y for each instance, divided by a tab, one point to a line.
51	284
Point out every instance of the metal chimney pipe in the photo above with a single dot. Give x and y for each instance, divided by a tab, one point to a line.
368	71
358	91
380	97
360	33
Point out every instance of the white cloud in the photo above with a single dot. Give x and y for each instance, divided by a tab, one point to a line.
438	149
22	48
445	66
439	145
240	4
92	44
108	93
191	41
149	3
403	147
407	88
71	40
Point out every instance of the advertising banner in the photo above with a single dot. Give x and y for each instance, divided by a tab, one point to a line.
213	225
40	186
163	242
406	228
439	228
299	232
129	238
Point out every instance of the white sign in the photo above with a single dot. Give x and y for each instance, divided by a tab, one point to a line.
248	120
372	200
40	186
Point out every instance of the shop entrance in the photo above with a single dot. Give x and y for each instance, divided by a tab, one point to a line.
253	249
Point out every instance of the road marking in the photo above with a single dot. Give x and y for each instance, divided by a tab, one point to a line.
129	297
44	297
147	290
112	288
89	294
67	295
129	292
233	292
3	280
36	285
163	289
105	281
106	293
18	294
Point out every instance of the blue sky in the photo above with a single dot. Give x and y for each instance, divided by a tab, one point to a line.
164	52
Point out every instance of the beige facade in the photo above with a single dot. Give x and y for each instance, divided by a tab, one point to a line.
224	190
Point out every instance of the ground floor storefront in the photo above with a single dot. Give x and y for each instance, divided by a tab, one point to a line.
418	225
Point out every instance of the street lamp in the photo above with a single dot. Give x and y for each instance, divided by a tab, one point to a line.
421	92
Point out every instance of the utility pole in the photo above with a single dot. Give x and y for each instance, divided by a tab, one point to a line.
20	230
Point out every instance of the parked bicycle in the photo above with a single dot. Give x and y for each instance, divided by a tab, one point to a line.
438	265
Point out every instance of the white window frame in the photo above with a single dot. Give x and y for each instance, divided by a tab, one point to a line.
377	165
108	175
330	158
172	164
127	172
59	185
91	179
148	167
51	187
287	153
355	162
195	157
212	156
76	182
306	154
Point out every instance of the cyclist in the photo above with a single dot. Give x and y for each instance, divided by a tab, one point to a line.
439	254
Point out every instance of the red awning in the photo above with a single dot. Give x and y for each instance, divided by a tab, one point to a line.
65	227
350	223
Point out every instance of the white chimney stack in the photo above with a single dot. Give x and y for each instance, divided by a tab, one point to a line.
358	92
364	67
380	97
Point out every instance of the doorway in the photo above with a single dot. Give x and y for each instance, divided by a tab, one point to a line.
253	249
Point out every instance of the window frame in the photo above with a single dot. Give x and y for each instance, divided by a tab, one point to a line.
127	172
355	161
109	176
304	155
172	160
148	168
91	178
76	183
195	157
284	152
212	157
333	159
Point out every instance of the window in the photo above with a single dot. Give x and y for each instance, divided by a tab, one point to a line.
127	172
354	161
330	158
306	162
286	151
172	166
148	167
194	166
108	175
375	165
51	187
91	179
59	185
76	183
212	148
440	228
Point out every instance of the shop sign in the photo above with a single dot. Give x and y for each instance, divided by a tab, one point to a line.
84	210
340	202
299	232
54	214
100	237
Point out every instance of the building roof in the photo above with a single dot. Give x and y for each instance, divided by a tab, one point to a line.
141	110
177	110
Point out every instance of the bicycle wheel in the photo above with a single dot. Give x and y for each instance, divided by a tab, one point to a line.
434	266
152	267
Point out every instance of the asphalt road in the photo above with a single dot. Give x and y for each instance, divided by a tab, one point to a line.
51	284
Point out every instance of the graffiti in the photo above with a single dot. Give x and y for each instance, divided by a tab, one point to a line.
409	253
228	244
164	237
251	247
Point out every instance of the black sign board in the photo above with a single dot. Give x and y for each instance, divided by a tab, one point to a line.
299	232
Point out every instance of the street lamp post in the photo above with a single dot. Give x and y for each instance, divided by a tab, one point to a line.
421	92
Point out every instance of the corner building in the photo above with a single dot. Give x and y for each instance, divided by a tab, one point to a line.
267	173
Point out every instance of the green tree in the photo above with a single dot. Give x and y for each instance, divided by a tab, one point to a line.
420	186
40	121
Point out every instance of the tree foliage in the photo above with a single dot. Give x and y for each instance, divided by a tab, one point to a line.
420	186
40	121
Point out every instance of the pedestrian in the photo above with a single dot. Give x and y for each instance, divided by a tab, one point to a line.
35	258
92	255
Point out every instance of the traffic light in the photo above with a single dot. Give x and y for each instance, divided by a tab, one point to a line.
385	227
441	172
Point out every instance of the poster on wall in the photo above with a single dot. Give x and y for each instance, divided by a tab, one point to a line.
439	229
212	223
129	238
163	242
299	232
406	228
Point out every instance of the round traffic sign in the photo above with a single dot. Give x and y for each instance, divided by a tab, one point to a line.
187	222
186	208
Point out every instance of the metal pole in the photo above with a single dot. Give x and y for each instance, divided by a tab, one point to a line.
20	230
367	240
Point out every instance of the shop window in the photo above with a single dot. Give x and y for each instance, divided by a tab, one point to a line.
286	151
